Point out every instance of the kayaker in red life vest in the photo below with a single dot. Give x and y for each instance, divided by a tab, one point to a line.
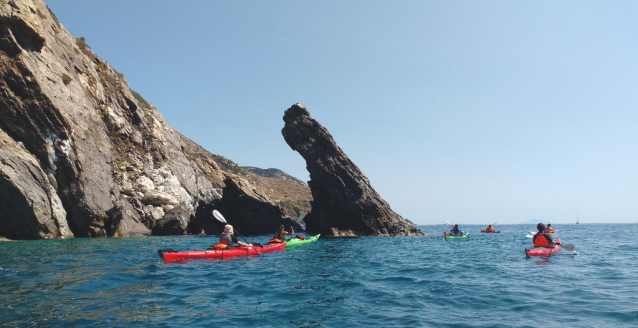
455	230
549	228
228	237
282	233
541	238
489	228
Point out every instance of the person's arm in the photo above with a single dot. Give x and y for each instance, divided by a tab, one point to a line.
292	232
235	240
549	239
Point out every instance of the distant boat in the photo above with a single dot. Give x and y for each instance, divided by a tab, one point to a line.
577	218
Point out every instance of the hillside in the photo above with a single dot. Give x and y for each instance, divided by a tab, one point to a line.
83	155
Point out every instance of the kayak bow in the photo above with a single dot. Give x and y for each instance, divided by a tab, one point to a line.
296	241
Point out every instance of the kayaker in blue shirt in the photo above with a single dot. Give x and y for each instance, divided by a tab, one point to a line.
455	230
542	239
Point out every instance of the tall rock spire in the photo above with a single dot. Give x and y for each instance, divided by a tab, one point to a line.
344	202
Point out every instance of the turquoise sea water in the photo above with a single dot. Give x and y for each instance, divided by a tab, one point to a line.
425	281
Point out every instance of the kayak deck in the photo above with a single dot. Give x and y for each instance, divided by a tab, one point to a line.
450	236
214	253
493	231
296	241
543	251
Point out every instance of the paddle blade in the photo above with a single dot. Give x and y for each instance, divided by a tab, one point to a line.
448	223
529	236
219	216
301	217
568	247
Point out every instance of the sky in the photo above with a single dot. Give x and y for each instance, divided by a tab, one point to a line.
465	111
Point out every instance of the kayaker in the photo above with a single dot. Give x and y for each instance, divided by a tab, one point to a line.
549	228
489	228
228	237
282	233
455	230
542	238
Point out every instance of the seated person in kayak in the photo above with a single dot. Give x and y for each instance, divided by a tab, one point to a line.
489	228
549	228
455	230
282	233
541	238
228	238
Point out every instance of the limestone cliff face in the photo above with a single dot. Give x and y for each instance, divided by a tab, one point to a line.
344	203
81	154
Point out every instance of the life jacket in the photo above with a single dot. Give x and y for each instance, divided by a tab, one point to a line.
549	230
274	240
490	229
456	231
540	241
279	236
220	246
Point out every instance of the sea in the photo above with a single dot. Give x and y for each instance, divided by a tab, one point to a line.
418	281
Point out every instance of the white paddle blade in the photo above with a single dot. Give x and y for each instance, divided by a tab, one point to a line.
219	216
529	236
448	223
301	217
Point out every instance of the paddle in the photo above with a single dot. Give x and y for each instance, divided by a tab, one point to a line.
567	247
301	217
221	219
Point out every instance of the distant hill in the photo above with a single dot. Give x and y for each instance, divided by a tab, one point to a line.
273	173
293	197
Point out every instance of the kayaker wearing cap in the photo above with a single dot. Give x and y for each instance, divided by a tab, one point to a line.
549	228
282	233
489	228
541	238
455	230
228	237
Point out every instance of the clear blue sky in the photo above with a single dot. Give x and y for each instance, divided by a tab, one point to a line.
465	111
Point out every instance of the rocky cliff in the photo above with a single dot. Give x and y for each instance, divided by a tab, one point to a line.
273	173
83	155
344	203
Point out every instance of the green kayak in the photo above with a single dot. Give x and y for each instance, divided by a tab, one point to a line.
449	236
296	241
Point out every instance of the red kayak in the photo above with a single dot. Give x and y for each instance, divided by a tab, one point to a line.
221	254
543	251
493	231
